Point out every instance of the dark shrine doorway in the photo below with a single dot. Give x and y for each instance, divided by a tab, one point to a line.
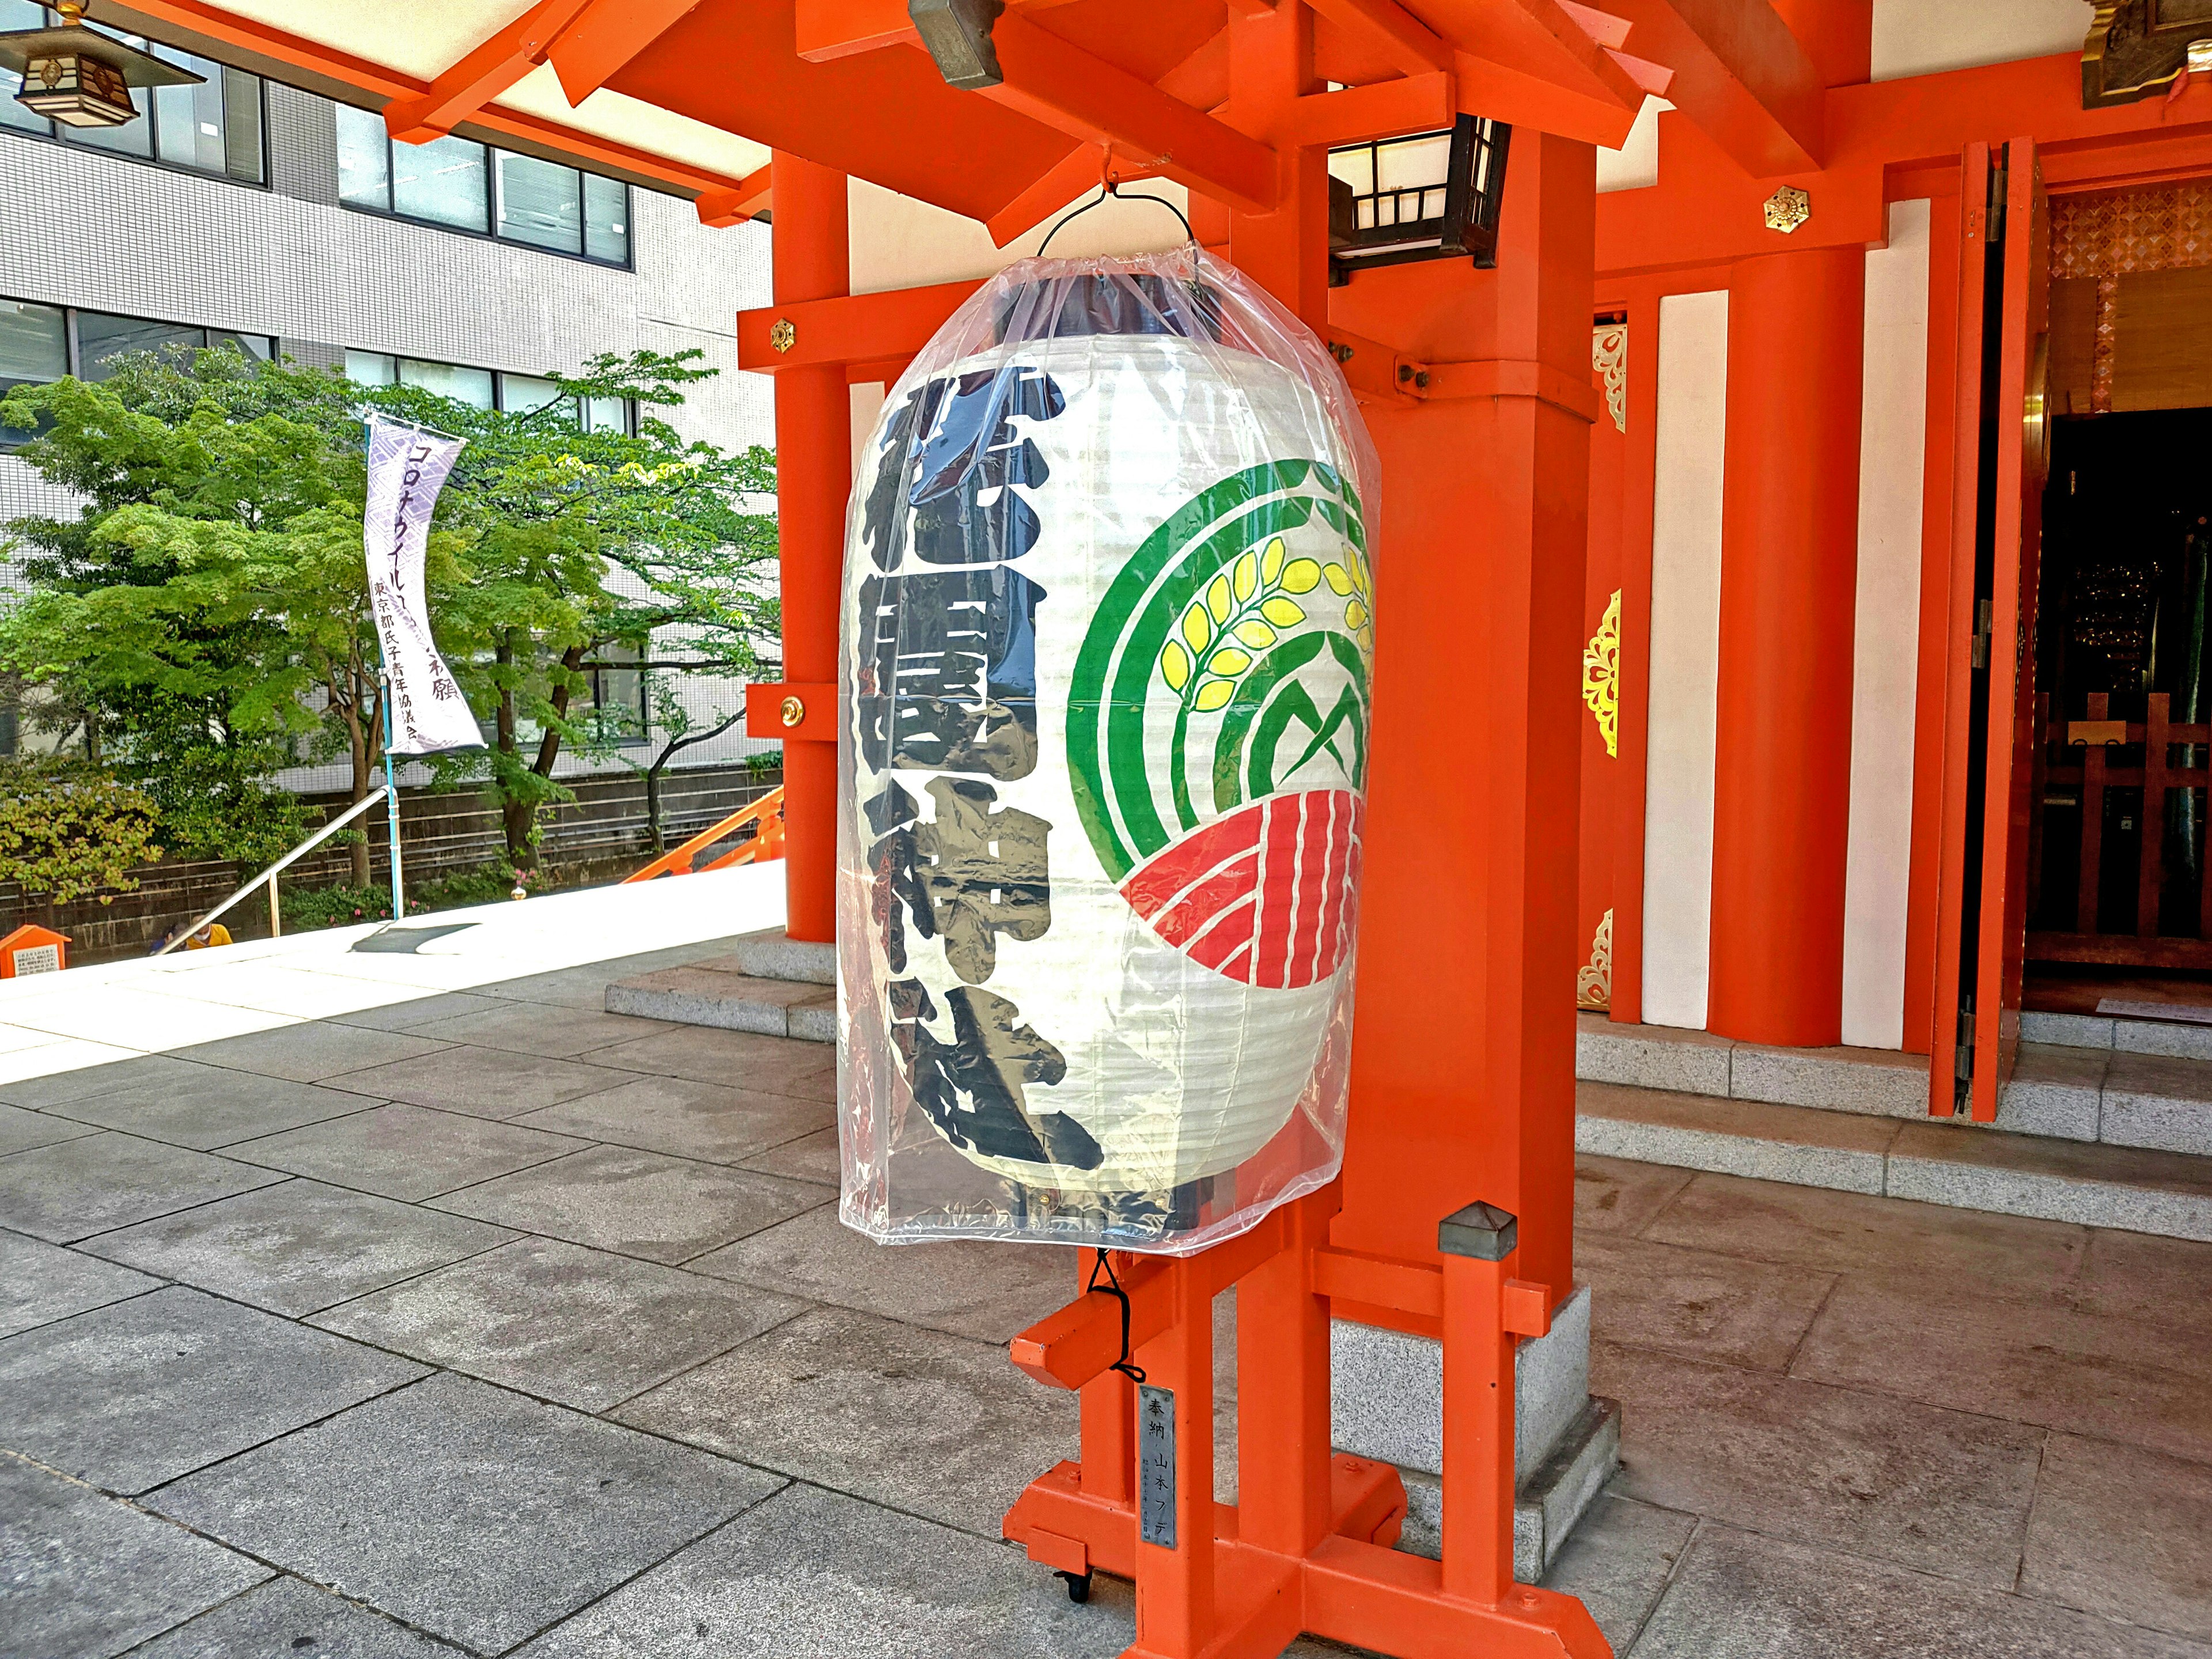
2117	878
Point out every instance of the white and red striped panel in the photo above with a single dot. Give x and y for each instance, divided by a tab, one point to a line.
1263	895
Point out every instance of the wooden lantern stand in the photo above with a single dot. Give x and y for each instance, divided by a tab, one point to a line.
1306	1548
1463	1073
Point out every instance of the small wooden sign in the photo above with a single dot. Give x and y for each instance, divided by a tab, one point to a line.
33	949
1155	1465
2103	733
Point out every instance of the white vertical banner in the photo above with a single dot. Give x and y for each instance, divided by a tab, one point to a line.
407	467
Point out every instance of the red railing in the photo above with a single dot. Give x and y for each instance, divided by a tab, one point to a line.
767	843
2085	759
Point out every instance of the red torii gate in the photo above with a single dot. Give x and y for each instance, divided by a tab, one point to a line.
1462	1072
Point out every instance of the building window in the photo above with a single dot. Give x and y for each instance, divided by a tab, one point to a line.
484	388
461	184
618	705
215	127
41	343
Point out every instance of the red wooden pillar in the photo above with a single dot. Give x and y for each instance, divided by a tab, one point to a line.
814	475
1463	1053
1788	577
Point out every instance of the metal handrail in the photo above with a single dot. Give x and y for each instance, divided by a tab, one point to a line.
767	811
278	868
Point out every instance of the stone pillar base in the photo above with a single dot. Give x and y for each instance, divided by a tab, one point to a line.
1387	1394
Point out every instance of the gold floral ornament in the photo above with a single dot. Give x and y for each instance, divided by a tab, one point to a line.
1593	984
1602	674
1787	208
1242	612
783	335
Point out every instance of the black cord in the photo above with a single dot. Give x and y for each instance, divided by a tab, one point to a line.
1113	188
1113	1288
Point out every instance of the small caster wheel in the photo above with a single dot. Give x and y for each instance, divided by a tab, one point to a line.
1079	1586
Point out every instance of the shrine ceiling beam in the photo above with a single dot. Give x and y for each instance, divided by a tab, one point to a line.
605	36
268	50
1740	75
481	76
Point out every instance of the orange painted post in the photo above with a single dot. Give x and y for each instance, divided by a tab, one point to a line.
814	473
1789	576
1463	1067
1175	1581
1477	1245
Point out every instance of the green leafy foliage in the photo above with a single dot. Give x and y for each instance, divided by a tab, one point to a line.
67	829
204	621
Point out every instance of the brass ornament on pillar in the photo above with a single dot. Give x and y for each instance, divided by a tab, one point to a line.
1594	983
783	335
1602	675
1787	208
1609	362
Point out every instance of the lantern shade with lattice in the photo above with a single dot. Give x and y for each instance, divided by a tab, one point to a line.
1108	635
81	77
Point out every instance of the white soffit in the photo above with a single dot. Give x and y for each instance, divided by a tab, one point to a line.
1636	163
1925	37
422	37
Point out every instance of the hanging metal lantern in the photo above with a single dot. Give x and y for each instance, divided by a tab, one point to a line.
1108	631
1421	196
81	77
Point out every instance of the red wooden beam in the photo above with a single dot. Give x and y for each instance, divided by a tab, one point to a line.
480	76
335	70
1062	85
720	208
1410	43
1740	75
605	36
858	328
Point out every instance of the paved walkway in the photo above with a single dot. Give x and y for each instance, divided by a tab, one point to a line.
484	1320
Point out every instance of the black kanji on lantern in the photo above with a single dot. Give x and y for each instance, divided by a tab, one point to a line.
955	443
971	1087
968	876
948	671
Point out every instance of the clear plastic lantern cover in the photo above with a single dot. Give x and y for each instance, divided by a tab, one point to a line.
1107	632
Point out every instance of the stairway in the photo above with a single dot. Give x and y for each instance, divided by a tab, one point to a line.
2106	1121
770	984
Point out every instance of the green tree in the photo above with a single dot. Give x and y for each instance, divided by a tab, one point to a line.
205	619
67	829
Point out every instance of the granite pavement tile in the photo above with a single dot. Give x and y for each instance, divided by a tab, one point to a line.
137	1393
988	1292
580	1326
634	1203
1853	1232
21	1129
2124	1532
419	1011
1742	1596
535	1028
686	1119
1618	1560
814	1574
2140	1189
2138	1276
2152	1101
811	1158
1695	1303
1614	1195
76	1189
287	1618
1800	1144
408	1152
2029	1359
1943	1491
59	1088
1651	1056
934	1424
311	1050
735	1059
298	1246
482	1082
467	1510
2054	1091
211	1107
40	1283
82	1577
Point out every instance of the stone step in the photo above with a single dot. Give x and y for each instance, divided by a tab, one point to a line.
721	993
1965	1165
774	954
2130	1033
2120	1096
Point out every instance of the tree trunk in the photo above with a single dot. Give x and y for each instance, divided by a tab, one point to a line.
357	749
653	802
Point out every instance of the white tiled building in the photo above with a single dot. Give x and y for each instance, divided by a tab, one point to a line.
227	212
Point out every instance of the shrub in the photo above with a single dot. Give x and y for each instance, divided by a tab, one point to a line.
67	828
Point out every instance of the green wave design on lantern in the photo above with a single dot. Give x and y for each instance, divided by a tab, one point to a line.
1196	614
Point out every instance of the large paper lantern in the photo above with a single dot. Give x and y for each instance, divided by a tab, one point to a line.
1108	637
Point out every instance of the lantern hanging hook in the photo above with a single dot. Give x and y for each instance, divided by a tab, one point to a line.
1113	1288
1109	183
